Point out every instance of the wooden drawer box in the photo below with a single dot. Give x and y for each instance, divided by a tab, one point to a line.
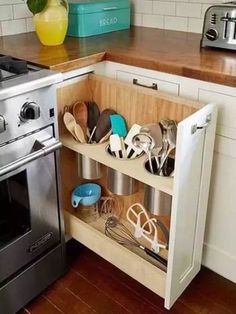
189	187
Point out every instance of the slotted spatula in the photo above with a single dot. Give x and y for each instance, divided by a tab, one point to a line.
118	126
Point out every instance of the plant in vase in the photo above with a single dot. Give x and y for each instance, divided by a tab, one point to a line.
50	20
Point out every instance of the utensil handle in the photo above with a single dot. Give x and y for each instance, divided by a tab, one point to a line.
156	256
153	86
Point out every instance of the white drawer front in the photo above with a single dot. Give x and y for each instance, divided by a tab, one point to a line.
162	85
226	122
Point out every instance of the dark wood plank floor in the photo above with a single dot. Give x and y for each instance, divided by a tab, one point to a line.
93	285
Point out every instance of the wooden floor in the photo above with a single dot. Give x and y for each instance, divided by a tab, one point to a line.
93	285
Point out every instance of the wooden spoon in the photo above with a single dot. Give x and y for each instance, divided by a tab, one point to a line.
69	122
73	127
80	113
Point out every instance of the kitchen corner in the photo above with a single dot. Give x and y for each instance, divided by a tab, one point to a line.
142	75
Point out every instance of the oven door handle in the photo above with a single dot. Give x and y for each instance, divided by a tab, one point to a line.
45	150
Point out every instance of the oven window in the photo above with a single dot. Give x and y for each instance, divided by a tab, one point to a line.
14	208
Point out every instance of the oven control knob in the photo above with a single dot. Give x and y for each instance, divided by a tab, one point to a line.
2	124
211	34
30	111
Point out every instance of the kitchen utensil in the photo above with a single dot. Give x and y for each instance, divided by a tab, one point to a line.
155	131
144	226
88	168
170	140
117	231
73	127
145	142
118	126
115	144
120	184
93	115
79	133
86	194
103	124
69	122
80	113
106	137
135	129
111	206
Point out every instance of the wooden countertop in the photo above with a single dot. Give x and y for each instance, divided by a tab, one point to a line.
167	51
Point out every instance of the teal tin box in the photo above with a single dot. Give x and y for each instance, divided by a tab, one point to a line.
93	17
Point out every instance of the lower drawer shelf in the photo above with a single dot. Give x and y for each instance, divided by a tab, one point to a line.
140	267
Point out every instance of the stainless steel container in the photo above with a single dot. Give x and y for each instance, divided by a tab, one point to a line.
88	168
157	202
121	184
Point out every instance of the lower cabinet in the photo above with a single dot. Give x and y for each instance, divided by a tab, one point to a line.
189	187
220	235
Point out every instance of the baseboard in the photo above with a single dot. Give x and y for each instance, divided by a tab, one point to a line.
219	261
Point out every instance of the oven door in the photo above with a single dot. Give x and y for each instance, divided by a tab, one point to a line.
29	205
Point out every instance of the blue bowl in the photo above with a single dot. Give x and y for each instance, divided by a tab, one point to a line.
86	194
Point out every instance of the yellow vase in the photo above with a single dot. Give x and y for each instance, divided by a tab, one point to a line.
51	23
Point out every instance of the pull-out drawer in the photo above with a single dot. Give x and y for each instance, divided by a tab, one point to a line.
189	187
148	82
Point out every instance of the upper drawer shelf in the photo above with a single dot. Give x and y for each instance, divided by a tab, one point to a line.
133	168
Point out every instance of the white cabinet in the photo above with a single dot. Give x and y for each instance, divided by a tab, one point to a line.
220	235
189	187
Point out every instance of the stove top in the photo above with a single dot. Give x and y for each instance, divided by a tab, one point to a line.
19	76
12	67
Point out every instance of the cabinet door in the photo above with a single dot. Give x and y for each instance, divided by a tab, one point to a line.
194	155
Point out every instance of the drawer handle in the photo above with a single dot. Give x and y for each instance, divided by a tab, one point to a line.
153	86
109	8
196	127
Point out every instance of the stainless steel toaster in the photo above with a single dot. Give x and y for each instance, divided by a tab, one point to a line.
219	28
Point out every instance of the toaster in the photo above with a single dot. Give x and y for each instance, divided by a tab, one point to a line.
219	28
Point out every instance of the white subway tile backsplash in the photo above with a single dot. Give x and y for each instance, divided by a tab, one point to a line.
176	23
151	20
14	27
29	24
195	25
188	9
6	12
164	7
21	11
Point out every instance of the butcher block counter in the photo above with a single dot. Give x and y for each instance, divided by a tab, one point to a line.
166	51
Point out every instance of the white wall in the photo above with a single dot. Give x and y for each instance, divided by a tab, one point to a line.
182	15
15	17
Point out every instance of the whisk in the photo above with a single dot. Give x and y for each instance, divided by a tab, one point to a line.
117	231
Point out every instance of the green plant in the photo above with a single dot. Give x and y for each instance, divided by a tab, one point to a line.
36	6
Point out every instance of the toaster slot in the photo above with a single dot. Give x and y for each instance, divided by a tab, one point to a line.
225	20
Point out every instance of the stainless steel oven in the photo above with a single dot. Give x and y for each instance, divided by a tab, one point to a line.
31	225
29	220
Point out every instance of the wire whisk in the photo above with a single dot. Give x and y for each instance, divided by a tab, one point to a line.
117	231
